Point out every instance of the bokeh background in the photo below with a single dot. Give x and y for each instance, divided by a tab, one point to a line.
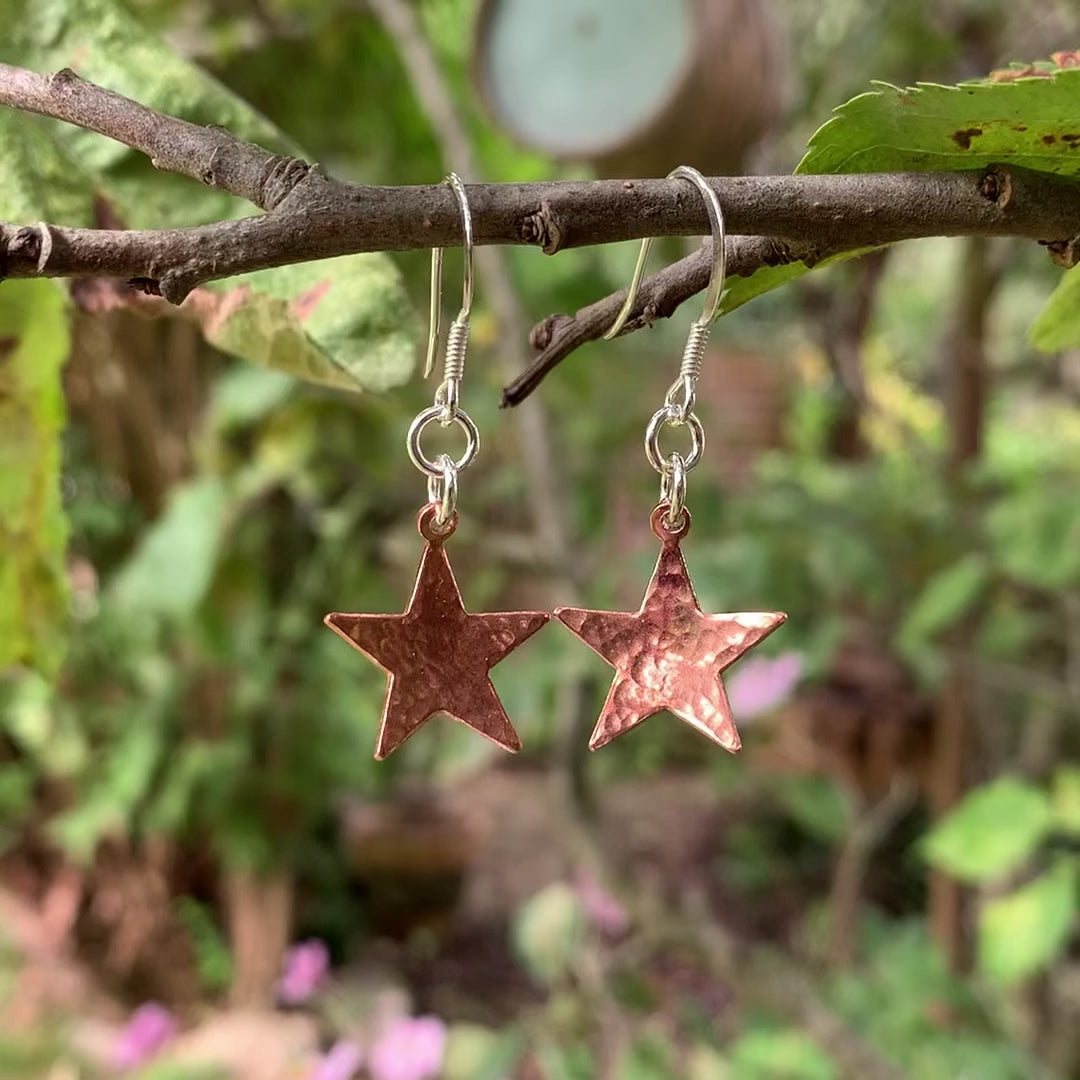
203	873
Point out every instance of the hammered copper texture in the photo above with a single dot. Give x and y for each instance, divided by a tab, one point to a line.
669	655
437	654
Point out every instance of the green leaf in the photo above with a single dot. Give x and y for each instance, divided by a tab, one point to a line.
16	791
194	767
105	43
994	829
33	529
1056	327
212	956
1023	932
171	570
819	806
244	395
741	290
946	598
42	182
572	1062
107	808
1065	795
1036	536
1029	122
178	1070
648	1057
474	1052
548	931
341	322
344	322
1026	122
780	1055
42	729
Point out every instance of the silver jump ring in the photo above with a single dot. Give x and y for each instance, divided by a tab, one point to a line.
416	428
442	489
669	414
673	489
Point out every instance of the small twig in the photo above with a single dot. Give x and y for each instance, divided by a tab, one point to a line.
557	336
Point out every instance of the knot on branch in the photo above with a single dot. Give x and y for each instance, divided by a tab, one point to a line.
266	181
546	330
280	177
174	285
145	285
777	253
1064	253
64	80
543	229
996	186
28	243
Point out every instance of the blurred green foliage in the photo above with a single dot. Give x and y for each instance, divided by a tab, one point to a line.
202	700
33	530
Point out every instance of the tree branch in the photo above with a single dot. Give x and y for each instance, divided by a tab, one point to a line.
557	336
772	219
210	155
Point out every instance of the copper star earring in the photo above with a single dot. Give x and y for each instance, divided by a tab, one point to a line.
669	654
437	654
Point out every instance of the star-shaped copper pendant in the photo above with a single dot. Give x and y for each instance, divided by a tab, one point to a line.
438	655
669	655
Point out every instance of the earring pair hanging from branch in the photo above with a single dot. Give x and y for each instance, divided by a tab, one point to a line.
669	654
437	655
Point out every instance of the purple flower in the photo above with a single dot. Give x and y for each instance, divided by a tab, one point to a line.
149	1028
342	1062
761	683
303	971
601	908
409	1049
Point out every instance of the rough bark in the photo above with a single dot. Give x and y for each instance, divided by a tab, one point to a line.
770	219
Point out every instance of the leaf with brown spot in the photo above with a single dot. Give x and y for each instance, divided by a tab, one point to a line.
963	138
1013	120
1021	121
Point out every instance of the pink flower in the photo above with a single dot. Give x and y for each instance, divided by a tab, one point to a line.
150	1027
342	1062
601	908
761	683
409	1049
304	970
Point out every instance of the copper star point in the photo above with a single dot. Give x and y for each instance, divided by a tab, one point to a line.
669	654
438	655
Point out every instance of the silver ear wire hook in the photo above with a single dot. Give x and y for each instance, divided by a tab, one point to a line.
719	260
674	467
457	338
699	329
442	473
